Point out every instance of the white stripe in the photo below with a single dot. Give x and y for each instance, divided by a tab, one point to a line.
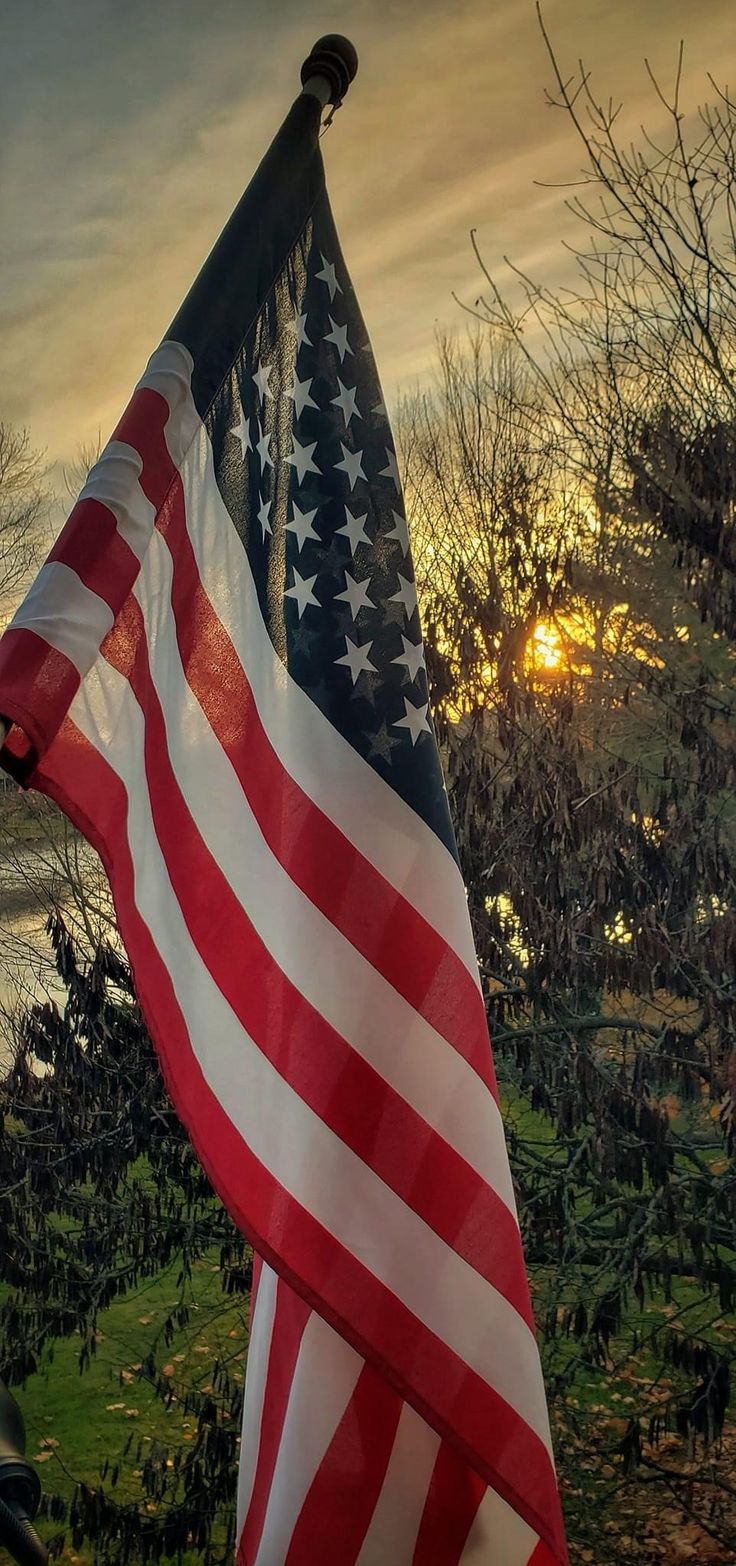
323	965
169	372
498	1534
114	481
393	1529
323	1383
389	834
65	613
259	1345
313	1164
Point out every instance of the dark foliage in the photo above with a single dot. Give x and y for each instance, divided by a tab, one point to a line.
100	1190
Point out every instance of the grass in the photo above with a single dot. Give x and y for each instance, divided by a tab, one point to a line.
76	1423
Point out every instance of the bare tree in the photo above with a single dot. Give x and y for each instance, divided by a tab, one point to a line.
23	508
43	864
639	360
494	508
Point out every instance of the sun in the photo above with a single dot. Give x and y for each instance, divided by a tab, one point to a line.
545	651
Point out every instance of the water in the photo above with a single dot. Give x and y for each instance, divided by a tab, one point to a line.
41	862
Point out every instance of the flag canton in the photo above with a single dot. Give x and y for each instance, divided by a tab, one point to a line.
306	464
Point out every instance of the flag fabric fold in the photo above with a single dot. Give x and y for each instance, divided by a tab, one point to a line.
219	675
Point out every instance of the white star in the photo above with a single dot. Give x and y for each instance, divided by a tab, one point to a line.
301	458
338	336
407	594
354	530
261	379
298	325
415	720
300	393
400	531
242	430
264	517
379	410
327	275
392	470
356	595
302	592
346	402
301	525
352	462
262	449
356	658
412	656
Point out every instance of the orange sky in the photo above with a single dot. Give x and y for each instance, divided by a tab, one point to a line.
129	127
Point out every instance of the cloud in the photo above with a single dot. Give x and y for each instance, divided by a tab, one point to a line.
128	131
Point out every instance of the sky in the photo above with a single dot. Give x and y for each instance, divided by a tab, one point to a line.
128	129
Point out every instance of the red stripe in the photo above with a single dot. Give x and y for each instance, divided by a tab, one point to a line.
542	1556
91	545
290	1318
355	897
38	682
143	426
348	1094
454	1495
458	1404
38	686
351	1474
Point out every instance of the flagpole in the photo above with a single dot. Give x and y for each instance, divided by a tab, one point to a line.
329	69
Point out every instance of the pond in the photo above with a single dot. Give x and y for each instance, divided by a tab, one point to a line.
40	858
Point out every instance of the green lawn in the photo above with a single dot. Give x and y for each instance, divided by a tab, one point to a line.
75	1423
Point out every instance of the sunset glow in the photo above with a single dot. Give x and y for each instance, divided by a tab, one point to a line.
545	651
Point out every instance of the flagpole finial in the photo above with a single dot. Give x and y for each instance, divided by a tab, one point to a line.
329	69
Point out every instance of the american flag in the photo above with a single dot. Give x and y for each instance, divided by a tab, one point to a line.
219	675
